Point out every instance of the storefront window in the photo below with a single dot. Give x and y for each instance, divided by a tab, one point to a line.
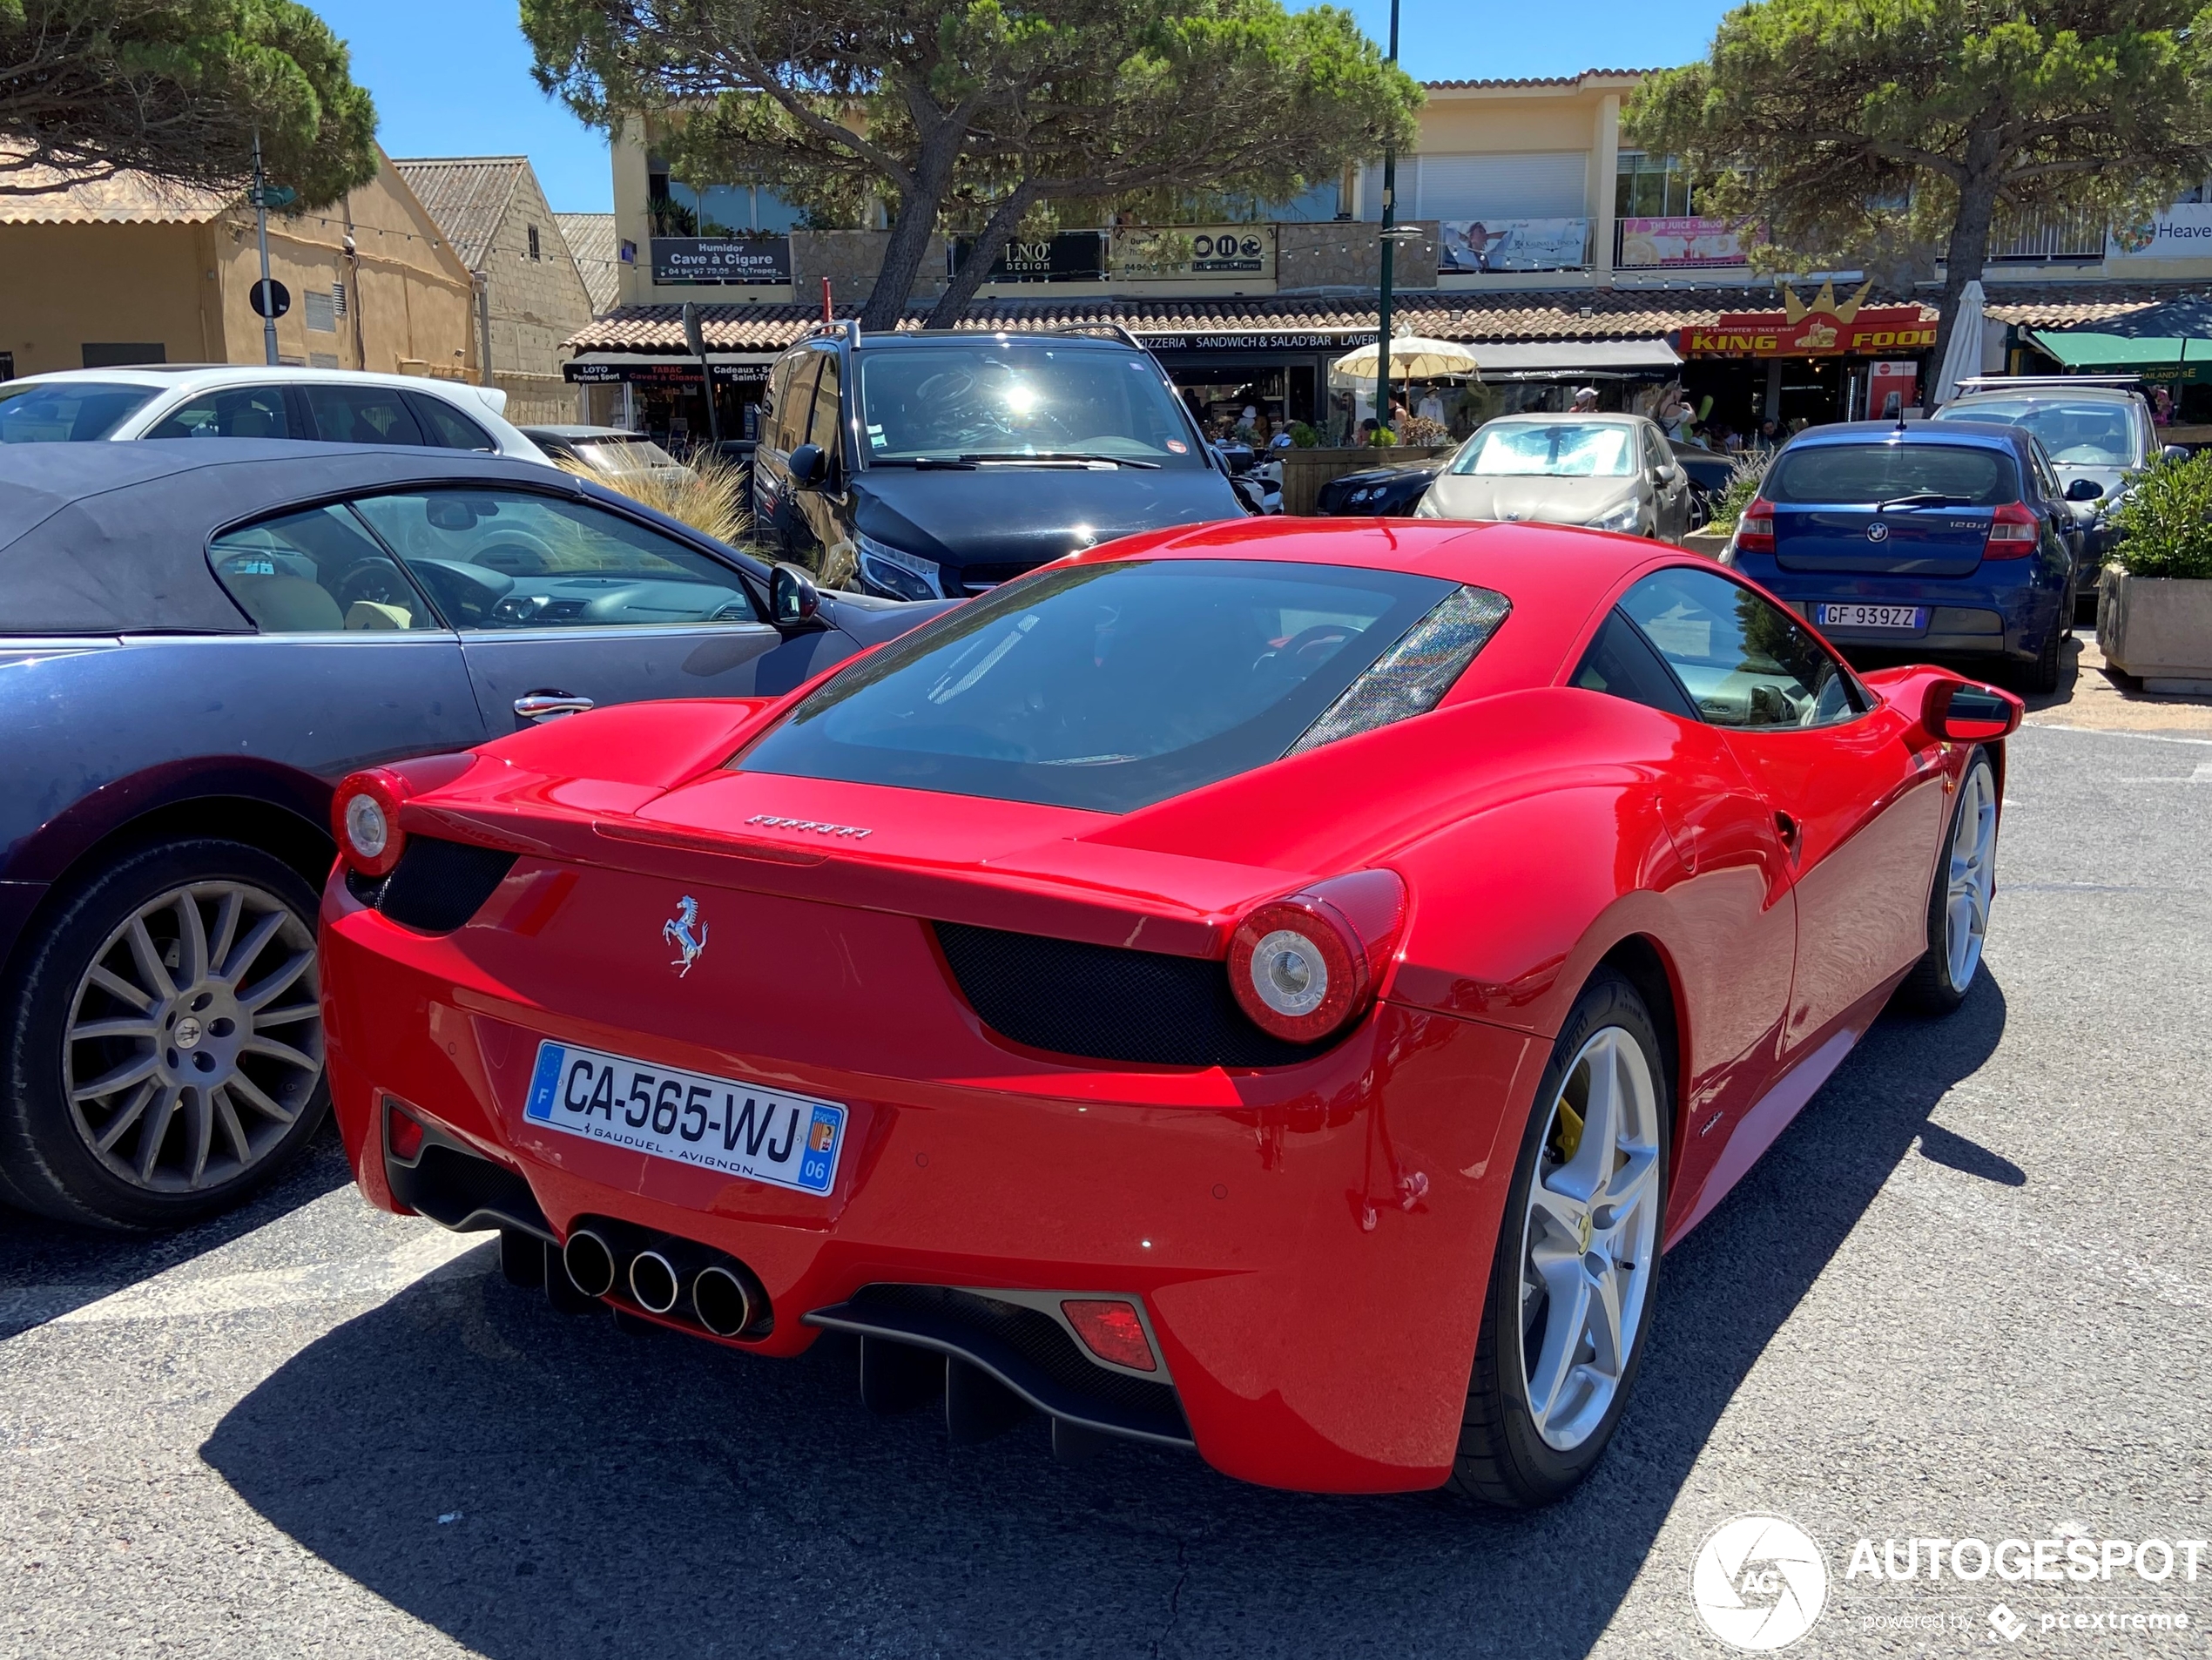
1651	188
679	209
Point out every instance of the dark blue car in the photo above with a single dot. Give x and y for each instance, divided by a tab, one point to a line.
1945	542
198	638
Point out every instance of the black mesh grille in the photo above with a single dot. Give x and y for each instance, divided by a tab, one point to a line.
439	885
1037	1338
449	1187
1103	1003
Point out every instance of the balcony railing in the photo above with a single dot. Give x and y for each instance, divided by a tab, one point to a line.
2066	237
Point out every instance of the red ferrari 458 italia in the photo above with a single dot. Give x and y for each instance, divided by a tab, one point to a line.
1274	988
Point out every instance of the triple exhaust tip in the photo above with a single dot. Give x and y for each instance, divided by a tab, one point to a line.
720	1298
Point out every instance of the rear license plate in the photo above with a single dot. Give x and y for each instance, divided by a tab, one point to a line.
738	1129
1872	616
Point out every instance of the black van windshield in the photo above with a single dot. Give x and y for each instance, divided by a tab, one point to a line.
1111	686
1013	401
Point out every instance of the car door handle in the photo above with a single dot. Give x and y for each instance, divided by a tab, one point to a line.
544	705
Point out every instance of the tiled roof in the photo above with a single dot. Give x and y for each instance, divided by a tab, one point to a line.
122	199
465	196
1561	314
590	238
1538	80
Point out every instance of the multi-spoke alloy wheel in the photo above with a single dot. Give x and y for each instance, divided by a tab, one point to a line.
1971	875
161	1039
1959	895
1570	1304
1588	1239
195	1039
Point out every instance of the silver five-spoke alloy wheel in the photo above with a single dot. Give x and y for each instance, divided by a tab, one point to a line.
1972	872
194	1039
1590	1238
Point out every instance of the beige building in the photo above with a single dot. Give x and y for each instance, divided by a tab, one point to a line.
1529	231
128	271
597	253
530	296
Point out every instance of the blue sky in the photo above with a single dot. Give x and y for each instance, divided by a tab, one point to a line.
451	77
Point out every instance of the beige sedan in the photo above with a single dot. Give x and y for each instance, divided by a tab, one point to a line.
1609	472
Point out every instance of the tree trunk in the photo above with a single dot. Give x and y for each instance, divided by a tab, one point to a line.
1964	258
911	229
982	254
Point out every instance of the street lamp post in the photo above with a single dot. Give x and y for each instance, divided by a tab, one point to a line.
1389	248
261	230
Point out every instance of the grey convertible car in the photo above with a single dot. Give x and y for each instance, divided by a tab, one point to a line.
198	639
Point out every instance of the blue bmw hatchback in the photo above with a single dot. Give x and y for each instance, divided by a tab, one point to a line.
1939	541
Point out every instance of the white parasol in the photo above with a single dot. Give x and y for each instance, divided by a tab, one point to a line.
1412	358
1962	357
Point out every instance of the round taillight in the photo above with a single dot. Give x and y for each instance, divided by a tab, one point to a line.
365	814
1307	965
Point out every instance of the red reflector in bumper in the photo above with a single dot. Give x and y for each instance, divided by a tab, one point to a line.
402	1134
1111	1330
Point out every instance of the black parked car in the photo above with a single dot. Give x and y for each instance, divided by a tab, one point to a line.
198	639
1389	491
943	464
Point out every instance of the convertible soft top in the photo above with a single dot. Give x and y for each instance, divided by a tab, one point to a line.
102	538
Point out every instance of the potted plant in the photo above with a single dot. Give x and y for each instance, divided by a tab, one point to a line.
2154	602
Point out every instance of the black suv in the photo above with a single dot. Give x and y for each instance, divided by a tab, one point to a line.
937	464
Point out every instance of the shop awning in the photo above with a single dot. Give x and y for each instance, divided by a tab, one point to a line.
1575	357
2082	349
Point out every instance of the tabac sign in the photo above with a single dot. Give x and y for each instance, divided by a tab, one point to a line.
1824	328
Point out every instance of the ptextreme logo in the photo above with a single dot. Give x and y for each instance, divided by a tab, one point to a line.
1759	1583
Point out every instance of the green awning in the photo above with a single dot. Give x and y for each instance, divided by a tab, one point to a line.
2082	349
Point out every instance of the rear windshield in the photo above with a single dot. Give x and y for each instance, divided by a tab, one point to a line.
58	412
2084	434
1861	474
1112	686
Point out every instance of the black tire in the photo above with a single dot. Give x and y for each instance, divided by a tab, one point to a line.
50	1165
1503	1459
1928	988
2040	678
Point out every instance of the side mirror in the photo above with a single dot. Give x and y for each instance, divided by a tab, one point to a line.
2085	489
792	595
809	466
1970	714
2175	452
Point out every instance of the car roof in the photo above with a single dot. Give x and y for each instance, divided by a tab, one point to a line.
971	337
1993	434
107	538
1561	417
583	432
2046	393
173	374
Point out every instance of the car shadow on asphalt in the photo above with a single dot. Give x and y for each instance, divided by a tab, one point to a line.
47	1268
535	1485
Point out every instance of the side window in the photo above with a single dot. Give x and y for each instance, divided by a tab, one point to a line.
794	403
316	573
241	412
1622	664
363	415
1745	661
828	423
503	559
447	425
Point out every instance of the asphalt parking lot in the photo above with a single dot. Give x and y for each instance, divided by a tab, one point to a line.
1967	1295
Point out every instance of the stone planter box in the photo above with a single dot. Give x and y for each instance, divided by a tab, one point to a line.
1306	471
2158	629
1711	544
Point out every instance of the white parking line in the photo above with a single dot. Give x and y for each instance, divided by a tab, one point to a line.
183	1293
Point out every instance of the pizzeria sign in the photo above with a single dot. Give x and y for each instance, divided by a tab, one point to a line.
1823	328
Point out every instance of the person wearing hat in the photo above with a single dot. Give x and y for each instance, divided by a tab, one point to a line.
1584	401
